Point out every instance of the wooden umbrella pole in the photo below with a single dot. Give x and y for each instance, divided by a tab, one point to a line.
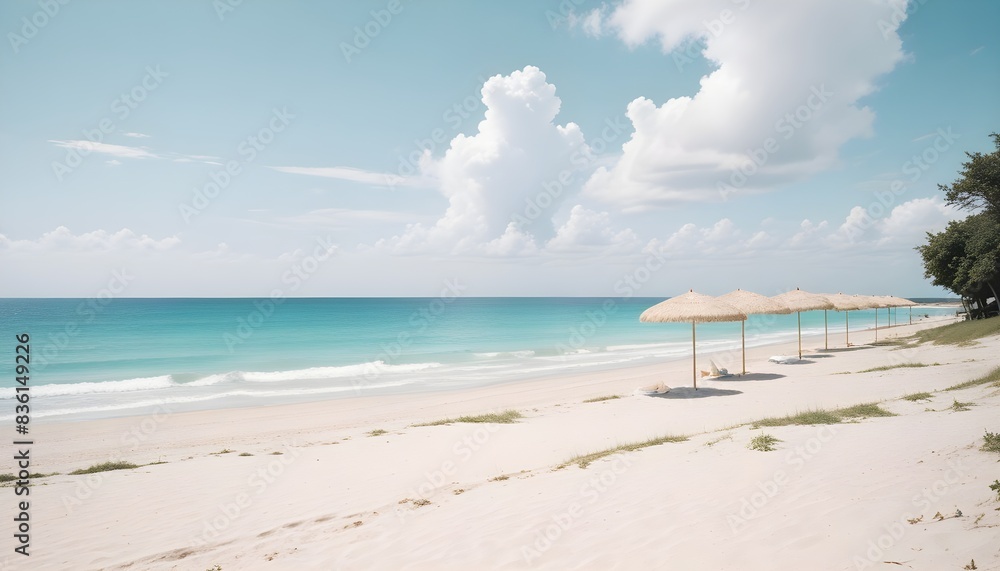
876	325
825	333
743	343
799	314
694	358
847	327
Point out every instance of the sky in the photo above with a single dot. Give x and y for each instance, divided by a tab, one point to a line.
253	148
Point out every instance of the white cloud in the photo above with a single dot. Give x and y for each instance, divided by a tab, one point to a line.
591	23
345	216
63	240
136	135
120	151
85	147
355	175
784	72
518	168
909	222
113	162
586	229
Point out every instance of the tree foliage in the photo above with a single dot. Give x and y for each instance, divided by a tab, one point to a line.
979	183
965	257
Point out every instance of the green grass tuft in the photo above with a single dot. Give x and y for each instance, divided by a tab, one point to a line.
763	443
899	366
991	442
867	410
961	406
105	467
505	417
963	332
585	460
917	397
811	417
377	432
11	477
245	454
991	377
223	451
599	399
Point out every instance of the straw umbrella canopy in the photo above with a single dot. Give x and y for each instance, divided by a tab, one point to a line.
799	301
901	302
751	303
694	308
845	303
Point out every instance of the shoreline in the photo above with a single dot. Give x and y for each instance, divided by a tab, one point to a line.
728	357
343	491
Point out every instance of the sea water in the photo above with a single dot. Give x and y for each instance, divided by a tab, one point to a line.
98	358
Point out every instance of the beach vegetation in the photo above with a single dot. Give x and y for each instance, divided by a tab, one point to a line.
505	417
960	333
991	442
105	467
763	443
898	366
585	460
995	486
958	406
377	432
965	257
245	454
599	399
4	478
811	417
917	397
991	377
223	451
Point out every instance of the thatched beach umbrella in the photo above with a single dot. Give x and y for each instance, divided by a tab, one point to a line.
845	303
799	301
751	303
901	302
869	302
695	308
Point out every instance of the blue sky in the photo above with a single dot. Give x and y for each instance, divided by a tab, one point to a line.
546	148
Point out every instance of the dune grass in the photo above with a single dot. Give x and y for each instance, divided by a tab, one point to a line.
505	417
899	366
763	443
991	442
4	478
917	397
962	332
599	399
585	460
991	377
377	432
105	467
958	406
836	416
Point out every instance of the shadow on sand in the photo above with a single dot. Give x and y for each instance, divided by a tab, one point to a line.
754	377
691	393
851	348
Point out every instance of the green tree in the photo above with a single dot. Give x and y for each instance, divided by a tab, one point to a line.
978	187
965	257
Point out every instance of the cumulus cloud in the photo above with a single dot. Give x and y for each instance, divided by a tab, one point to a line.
782	99
62	239
505	182
586	229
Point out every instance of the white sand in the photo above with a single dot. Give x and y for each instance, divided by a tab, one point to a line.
829	497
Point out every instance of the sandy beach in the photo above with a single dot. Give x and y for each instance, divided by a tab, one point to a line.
353	484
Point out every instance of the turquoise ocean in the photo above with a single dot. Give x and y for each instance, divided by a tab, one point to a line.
99	358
